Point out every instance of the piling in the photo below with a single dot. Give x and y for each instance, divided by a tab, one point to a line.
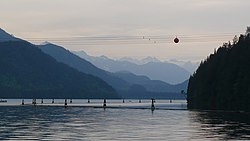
123	101
88	101
41	101
104	103
65	103
152	104
70	100
34	102
22	102
139	101
53	101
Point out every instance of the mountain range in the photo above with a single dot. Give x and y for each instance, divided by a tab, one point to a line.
152	67
123	82
187	65
50	70
27	72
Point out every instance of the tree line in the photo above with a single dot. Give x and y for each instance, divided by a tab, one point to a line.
222	81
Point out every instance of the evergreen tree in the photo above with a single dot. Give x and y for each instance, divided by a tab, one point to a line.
222	81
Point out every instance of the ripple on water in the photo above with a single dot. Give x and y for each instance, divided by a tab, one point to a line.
76	123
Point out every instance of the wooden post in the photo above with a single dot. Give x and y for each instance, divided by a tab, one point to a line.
104	103
152	104
34	102
65	103
22	102
53	101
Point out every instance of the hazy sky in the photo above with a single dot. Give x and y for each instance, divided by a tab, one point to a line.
116	27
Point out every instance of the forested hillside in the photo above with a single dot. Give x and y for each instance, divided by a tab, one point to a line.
222	81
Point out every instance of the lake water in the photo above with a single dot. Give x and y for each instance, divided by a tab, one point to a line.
119	121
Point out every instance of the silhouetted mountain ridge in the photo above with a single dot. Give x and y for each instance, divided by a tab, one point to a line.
66	57
26	72
121	85
4	36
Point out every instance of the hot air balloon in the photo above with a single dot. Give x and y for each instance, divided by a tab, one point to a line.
176	40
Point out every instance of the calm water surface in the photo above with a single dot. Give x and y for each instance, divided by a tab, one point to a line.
82	123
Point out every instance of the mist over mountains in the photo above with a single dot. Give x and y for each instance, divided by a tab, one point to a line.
128	85
187	65
140	61
150	67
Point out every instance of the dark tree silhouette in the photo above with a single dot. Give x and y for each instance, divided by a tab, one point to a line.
248	30
222	81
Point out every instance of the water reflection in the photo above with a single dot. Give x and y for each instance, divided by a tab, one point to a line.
223	125
77	123
47	122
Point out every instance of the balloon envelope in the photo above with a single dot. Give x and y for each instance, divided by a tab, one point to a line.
176	40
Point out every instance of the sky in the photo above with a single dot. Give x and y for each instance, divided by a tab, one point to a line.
119	28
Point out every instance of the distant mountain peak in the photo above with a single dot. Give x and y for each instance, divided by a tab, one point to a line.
4	36
150	59
104	57
140	61
131	60
83	52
